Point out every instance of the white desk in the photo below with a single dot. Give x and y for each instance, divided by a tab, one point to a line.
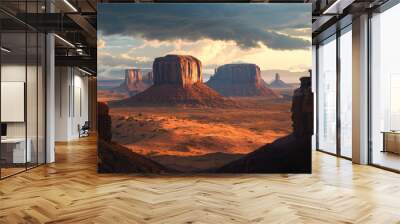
19	155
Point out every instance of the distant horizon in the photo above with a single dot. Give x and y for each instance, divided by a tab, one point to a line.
267	77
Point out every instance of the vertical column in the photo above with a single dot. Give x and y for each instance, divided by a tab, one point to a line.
360	89
50	92
314	90
50	99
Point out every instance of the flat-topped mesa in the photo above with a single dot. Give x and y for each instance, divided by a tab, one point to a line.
132	78
177	81
239	80
182	70
239	73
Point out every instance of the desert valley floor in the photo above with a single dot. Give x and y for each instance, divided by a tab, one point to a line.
194	139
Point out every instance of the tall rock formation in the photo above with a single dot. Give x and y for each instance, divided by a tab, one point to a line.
177	81
289	154
148	78
239	80
302	109
182	70
133	77
135	82
103	122
278	83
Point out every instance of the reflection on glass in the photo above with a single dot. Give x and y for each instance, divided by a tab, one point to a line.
346	93
327	96
385	88
14	153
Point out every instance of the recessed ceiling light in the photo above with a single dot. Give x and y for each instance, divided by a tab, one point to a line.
70	5
64	40
84	71
5	50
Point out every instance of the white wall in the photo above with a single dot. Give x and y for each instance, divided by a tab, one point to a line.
71	94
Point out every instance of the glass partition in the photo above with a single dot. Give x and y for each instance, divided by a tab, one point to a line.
13	114
385	89
31	98
345	92
22	77
327	96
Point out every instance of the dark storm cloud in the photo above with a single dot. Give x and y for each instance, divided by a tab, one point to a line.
246	24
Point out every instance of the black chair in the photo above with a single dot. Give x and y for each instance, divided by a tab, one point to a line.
84	130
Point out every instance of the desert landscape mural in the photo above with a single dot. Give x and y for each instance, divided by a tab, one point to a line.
210	101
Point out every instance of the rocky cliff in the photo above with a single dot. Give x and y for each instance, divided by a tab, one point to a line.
148	78
278	83
289	154
132	78
115	158
135	82
239	80
177	81
103	122
182	70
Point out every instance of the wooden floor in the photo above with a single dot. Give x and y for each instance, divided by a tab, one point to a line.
70	191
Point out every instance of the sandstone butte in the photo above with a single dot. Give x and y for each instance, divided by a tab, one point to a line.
240	80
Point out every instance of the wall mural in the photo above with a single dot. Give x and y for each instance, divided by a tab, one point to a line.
204	88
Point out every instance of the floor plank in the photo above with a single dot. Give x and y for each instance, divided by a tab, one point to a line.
71	191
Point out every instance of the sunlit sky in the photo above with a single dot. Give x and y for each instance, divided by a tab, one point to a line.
273	36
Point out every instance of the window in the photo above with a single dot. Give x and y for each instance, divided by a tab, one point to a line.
345	92
385	89
327	96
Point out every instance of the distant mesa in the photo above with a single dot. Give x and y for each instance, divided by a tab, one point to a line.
135	82
177	81
278	83
240	80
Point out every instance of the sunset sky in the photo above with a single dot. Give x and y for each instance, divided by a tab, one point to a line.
273	36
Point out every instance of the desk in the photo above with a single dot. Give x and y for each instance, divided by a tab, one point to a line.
391	141
15	148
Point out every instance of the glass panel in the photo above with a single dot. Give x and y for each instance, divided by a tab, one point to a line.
41	98
13	87
31	99
23	82
346	93
327	96
385	84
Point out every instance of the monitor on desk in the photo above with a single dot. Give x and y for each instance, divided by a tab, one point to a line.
3	130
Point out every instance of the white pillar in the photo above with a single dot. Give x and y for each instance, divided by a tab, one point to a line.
314	90
50	98
360	89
